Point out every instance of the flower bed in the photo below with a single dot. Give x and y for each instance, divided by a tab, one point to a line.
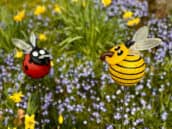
79	92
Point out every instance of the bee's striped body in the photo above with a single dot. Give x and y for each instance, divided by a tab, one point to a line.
129	71
126	66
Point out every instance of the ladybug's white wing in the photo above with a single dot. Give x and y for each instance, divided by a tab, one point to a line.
141	34
146	44
22	45
33	39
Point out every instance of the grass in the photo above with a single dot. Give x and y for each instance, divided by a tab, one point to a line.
88	32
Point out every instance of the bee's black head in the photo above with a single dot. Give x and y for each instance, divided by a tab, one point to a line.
129	43
40	56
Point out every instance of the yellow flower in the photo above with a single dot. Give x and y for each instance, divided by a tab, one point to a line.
18	121
133	22
74	0
16	97
42	37
136	20
18	54
52	63
12	128
30	121
39	10
1	117
152	69
20	16
60	119
106	2
84	4
130	23
57	8
127	15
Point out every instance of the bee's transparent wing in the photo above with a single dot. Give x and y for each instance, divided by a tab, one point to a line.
142	42
33	39
146	44
22	45
141	34
134	52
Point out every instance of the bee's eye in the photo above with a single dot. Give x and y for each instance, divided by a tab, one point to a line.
42	52
35	53
119	52
117	48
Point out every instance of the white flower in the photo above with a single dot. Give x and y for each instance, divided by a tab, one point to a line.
108	98
164	116
84	122
113	97
126	122
125	115
118	92
117	116
149	107
143	102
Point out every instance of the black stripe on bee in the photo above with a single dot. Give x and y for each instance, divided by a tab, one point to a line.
133	60
123	78
126	73
122	83
130	67
130	55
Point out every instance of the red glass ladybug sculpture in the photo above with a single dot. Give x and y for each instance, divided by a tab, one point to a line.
36	62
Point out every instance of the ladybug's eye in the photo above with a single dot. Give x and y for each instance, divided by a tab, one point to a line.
42	52
119	52
35	53
117	48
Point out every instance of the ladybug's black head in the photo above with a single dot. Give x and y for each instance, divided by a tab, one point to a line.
37	55
40	56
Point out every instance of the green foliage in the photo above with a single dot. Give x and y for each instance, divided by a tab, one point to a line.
9	29
86	28
32	103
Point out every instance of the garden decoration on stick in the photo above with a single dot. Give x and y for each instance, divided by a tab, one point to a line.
36	62
126	66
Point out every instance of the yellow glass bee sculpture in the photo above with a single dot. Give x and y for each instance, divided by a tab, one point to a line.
126	66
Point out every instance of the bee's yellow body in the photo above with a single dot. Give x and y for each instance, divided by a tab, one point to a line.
129	71
126	66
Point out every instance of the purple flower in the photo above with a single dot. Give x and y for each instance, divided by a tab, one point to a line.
118	7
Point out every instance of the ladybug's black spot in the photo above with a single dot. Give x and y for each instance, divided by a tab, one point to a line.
42	76
26	67
30	61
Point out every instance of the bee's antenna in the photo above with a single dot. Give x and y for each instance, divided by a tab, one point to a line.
129	43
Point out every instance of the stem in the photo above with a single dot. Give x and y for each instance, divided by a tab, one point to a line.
39	101
123	110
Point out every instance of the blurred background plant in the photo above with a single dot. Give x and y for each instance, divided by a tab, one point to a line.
78	92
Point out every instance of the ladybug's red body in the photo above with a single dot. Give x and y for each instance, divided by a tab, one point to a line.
35	70
36	63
